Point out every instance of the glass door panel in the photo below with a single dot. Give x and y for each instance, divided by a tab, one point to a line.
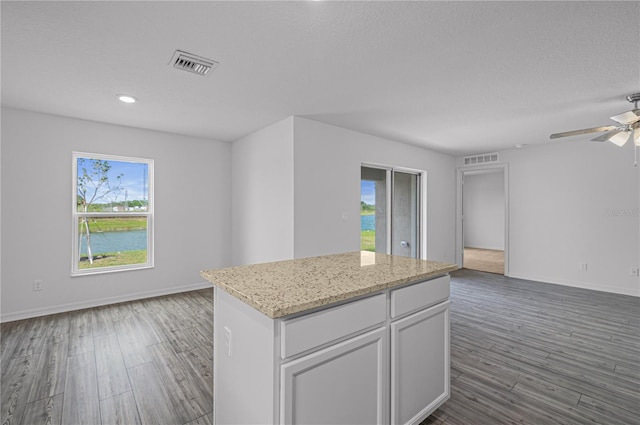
405	214
373	209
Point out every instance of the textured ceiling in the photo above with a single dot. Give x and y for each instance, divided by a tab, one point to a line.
457	77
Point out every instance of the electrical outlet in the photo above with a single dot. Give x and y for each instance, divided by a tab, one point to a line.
583	267
227	340
37	285
634	271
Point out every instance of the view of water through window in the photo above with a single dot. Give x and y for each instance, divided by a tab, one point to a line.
112	211
368	215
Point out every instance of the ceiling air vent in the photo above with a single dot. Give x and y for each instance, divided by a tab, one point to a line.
192	63
484	158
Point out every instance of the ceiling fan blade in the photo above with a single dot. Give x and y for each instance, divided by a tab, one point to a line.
628	117
605	137
636	136
583	131
617	137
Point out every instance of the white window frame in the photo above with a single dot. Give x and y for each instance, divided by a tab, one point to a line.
76	215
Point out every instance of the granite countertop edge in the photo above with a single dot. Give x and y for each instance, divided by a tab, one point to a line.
276	310
280	313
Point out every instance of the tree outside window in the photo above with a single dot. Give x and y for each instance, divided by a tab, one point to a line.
112	213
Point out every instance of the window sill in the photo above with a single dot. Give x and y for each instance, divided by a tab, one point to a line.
102	270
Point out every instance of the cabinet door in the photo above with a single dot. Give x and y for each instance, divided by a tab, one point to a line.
419	364
342	384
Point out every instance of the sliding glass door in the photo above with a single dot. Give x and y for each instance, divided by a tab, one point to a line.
390	211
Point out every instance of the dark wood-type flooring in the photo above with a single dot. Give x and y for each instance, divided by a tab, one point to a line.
534	353
142	362
521	352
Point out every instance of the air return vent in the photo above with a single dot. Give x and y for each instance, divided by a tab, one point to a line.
484	158
192	63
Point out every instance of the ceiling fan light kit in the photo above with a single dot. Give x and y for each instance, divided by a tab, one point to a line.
620	138
628	128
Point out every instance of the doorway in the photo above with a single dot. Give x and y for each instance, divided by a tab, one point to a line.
482	219
390	201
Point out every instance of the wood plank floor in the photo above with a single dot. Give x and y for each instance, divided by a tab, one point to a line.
534	353
142	362
521	352
484	260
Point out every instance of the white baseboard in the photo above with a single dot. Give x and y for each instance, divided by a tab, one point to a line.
575	284
27	314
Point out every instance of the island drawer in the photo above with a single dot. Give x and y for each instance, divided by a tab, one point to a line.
312	330
418	296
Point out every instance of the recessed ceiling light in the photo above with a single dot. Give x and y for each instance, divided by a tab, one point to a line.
127	98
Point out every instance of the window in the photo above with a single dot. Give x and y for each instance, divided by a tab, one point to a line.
112	218
390	201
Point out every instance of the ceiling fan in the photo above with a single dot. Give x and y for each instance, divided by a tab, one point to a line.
628	127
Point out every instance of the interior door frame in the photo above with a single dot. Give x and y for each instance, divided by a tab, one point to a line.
460	172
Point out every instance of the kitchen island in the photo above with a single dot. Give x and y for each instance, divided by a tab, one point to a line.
354	338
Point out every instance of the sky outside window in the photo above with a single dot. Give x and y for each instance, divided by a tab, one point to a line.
368	192
134	181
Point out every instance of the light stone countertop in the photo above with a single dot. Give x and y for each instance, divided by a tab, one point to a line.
283	288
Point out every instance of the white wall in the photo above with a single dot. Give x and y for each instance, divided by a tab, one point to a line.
327	188
262	195
484	210
192	212
574	202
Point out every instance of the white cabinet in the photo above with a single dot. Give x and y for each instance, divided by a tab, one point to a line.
312	330
380	359
343	384
419	296
419	364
